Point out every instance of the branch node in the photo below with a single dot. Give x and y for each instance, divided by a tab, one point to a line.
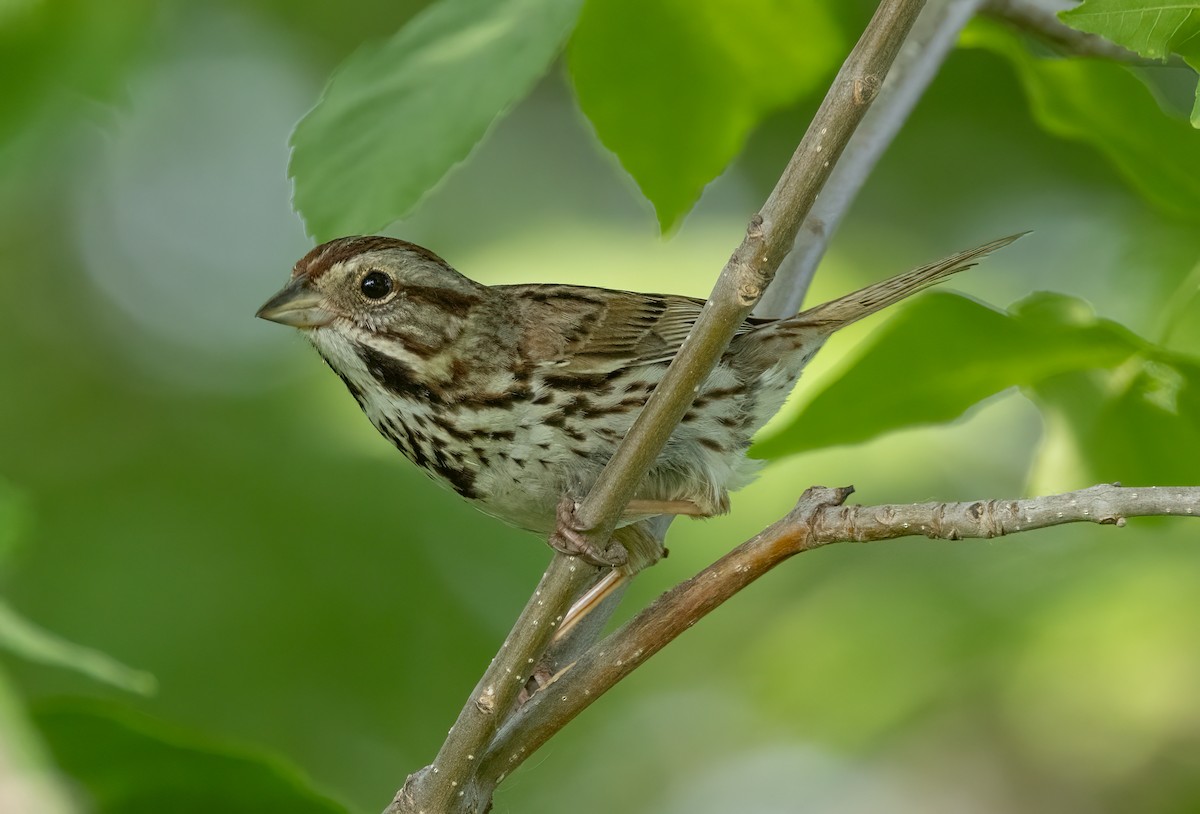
992	525
936	521
866	88
808	514
748	294
885	515
818	497
486	703
847	515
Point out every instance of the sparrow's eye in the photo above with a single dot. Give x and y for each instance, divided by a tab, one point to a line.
376	285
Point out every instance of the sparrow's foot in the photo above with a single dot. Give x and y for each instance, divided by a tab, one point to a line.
569	538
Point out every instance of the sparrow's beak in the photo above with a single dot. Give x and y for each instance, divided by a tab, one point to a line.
297	305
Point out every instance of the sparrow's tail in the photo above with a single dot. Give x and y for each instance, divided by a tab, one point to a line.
867	301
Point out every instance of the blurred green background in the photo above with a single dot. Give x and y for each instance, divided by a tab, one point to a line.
191	492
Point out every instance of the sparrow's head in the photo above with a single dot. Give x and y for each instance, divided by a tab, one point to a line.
372	284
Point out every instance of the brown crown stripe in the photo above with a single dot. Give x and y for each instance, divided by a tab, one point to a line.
327	255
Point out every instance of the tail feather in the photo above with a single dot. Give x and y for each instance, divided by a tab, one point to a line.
867	301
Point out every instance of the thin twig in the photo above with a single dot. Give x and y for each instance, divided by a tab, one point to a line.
818	519
1040	18
933	37
1106	504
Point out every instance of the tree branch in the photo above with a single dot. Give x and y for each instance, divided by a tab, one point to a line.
818	519
932	39
448	783
1106	504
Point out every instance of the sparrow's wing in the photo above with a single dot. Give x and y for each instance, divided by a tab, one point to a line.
594	330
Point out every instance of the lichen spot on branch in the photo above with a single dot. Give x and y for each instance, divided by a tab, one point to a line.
866	88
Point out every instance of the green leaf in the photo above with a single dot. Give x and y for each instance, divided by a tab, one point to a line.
674	87
944	353
1153	28
14	520
397	115
56	51
128	763
1104	105
25	639
1139	426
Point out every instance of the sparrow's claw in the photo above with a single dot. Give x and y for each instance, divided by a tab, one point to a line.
568	538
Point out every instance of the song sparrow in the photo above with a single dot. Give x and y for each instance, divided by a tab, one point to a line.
516	395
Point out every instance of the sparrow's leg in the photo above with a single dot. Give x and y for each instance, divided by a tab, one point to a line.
642	543
568	538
